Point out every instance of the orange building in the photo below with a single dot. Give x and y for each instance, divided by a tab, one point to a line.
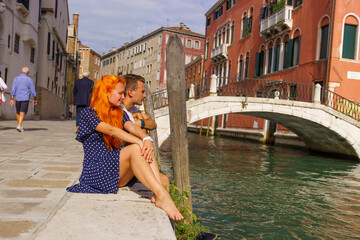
194	74
89	61
294	40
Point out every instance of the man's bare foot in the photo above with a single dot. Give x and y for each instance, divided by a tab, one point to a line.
153	198
165	202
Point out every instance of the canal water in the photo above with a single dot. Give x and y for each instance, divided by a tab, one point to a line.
246	190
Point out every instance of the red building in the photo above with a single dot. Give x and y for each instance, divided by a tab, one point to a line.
294	40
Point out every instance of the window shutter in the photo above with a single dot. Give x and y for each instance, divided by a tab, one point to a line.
349	41
257	67
269	60
261	63
262	13
290	52
298	51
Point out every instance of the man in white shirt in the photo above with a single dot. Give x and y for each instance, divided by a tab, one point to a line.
135	95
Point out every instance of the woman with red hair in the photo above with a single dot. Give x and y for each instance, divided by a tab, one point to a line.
108	162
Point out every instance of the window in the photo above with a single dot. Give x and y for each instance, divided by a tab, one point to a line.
232	34
349	41
259	63
188	43
324	41
110	60
276	57
296	51
9	41
246	72
207	50
241	65
228	4
53	51
227	35
48	43
6	74
297	3
218	13
48	83
187	59
160	40
159	57
197	44
234	2
25	3
17	43
56	8
32	55
208	21
244	25
158	75
103	63
269	61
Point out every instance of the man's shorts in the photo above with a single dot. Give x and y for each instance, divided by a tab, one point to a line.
22	106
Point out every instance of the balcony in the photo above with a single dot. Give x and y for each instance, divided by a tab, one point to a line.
277	22
219	53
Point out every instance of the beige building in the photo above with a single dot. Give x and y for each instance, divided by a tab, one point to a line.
51	85
19	46
33	34
89	61
146	56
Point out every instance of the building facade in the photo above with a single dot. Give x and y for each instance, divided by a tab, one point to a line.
294	40
51	85
89	61
146	56
33	34
19	45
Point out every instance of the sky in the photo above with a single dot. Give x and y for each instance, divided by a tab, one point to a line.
104	24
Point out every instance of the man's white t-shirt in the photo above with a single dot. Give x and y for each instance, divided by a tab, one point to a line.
132	110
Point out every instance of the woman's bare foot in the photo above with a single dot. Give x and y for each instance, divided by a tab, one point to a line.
165	202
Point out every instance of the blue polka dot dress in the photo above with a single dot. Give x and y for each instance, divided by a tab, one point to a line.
100	172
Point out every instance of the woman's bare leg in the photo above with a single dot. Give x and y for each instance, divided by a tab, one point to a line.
131	160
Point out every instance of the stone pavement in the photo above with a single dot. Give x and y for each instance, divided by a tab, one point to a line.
35	168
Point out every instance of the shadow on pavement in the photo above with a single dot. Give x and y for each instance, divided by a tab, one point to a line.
34	129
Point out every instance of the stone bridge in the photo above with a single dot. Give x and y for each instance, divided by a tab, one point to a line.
321	127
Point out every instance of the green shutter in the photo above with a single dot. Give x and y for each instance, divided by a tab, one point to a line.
290	52
298	51
232	34
257	64
349	41
261	63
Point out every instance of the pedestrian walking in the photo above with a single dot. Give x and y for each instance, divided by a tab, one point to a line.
3	87
21	89
82	94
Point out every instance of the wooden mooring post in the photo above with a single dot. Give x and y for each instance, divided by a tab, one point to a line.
149	109
177	113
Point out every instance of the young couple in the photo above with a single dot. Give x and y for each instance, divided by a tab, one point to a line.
112	156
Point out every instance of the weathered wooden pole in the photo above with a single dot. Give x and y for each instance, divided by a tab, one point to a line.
149	110
177	112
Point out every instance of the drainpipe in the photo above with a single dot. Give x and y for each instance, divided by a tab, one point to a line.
330	44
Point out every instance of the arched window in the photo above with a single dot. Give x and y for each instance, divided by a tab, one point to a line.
350	37
247	62
250	20
324	38
232	32
287	51
259	62
295	56
243	25
6	74
240	67
270	57
276	58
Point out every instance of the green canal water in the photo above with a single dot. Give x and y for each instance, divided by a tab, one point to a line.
246	190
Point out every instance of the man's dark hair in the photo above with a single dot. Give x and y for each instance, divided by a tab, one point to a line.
131	81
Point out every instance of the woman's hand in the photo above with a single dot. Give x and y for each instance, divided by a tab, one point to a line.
148	151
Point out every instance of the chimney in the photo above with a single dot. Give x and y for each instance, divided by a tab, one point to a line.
182	26
76	21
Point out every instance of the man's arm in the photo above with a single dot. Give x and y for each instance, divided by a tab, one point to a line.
12	93
150	124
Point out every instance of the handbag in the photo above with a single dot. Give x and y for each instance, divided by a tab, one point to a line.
3	99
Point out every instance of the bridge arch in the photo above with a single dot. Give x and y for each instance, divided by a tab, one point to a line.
320	127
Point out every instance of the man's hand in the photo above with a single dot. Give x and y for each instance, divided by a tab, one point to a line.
11	103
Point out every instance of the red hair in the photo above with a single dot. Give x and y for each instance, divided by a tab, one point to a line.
107	113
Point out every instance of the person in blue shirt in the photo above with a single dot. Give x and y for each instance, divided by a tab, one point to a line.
22	87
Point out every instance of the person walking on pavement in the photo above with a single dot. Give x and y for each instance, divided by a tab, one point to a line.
22	86
82	94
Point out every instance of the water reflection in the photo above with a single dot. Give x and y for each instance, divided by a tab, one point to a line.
246	190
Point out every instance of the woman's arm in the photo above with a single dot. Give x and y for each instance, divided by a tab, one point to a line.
148	149
118	133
